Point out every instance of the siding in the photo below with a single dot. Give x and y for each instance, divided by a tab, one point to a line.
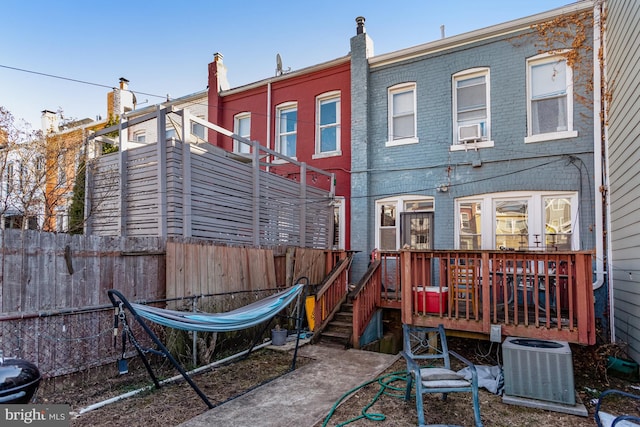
623	80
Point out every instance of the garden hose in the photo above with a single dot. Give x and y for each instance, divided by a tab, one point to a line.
385	382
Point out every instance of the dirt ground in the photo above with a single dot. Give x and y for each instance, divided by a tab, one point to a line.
175	403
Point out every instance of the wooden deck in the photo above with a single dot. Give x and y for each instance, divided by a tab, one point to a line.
535	294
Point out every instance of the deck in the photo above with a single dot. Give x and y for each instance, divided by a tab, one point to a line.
547	295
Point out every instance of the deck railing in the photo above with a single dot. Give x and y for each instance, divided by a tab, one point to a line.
534	294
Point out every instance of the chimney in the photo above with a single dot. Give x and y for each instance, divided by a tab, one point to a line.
220	72
360	25
49	121
124	83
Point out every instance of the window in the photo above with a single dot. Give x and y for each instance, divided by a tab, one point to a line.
242	127
557	230
10	177
139	137
405	222
550	99
287	129
328	124
517	221
470	219
402	115
197	129
471	109
170	133
338	223
512	224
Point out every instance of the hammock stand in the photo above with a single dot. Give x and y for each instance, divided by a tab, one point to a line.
253	314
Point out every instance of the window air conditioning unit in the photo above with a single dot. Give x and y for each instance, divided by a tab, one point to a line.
469	133
538	369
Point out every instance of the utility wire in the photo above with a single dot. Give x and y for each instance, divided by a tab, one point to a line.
74	80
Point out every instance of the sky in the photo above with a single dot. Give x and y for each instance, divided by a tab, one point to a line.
68	55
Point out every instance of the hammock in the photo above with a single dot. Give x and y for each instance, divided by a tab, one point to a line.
242	318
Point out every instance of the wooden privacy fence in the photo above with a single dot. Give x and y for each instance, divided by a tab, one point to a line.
170	188
53	287
53	294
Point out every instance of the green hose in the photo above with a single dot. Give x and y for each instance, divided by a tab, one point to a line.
385	382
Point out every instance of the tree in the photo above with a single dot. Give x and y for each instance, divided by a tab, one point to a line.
22	172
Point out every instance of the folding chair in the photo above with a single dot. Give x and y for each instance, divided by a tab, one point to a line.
429	365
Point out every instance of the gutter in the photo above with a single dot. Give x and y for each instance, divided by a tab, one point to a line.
475	36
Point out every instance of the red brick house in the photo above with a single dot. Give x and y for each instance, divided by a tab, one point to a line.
303	114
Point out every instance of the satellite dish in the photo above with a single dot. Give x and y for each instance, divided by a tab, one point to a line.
278	65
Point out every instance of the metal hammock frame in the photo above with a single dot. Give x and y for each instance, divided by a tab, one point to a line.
260	312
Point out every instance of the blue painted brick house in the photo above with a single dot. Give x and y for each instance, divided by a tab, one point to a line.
483	140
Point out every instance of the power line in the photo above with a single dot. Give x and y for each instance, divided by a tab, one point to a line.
74	80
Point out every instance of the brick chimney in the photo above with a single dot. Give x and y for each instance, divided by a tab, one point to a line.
49	120
121	100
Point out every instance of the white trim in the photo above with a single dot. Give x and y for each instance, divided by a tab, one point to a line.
290	105
466	75
328	96
471	146
340	202
236	129
535	210
546	58
551	136
399	202
401	88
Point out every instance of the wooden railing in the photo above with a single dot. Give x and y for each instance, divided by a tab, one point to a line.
366	300
529	294
331	293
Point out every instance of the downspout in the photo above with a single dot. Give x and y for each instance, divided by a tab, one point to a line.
268	141
597	150
605	118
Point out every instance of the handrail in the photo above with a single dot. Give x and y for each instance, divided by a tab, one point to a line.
366	300
365	278
331	295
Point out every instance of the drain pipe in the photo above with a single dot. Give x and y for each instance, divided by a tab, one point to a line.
602	105
597	152
163	382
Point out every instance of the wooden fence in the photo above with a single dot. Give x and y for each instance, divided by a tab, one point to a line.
170	188
53	287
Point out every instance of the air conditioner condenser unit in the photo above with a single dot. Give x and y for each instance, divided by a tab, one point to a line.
538	369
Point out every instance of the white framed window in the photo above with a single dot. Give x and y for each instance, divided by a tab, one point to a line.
404	222
471	109
139	137
403	128
518	221
242	127
287	128
328	125
197	129
549	98
338	223
170	133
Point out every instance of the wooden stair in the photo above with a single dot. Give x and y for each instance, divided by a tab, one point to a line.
339	330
